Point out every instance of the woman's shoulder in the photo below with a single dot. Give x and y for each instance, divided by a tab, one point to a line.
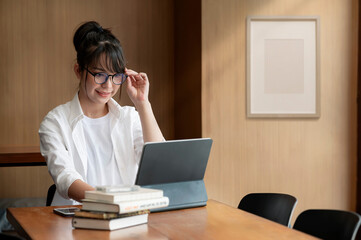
59	117
55	119
122	111
63	116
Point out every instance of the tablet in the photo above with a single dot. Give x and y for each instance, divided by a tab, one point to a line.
177	167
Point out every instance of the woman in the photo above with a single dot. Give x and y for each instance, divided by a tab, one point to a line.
91	140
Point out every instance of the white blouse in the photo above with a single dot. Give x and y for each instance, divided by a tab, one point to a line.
64	146
100	152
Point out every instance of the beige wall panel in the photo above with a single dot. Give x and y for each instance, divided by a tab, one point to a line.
18	182
312	159
37	57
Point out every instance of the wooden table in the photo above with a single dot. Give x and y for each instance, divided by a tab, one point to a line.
215	221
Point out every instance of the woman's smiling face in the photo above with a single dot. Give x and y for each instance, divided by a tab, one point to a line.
94	92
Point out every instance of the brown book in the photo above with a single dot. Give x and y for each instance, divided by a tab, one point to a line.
107	215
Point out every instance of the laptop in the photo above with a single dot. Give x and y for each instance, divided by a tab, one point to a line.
177	167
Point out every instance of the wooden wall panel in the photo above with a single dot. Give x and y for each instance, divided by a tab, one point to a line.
37	58
19	182
312	159
188	69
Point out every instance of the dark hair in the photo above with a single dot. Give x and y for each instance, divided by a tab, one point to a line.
91	41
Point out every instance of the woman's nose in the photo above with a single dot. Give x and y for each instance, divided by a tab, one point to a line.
108	83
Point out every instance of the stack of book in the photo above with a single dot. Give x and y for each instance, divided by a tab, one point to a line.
115	210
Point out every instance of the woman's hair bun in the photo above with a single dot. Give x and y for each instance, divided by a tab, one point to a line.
100	29
82	32
91	40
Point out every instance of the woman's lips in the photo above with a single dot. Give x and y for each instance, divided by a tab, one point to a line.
103	94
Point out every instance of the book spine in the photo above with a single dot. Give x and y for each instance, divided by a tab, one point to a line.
143	204
109	198
138	197
126	207
107	215
101	224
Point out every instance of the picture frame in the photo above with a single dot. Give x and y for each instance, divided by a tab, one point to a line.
283	67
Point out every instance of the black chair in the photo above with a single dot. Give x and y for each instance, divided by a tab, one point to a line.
277	207
8	236
50	195
328	224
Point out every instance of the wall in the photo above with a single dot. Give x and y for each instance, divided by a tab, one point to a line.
37	59
188	69
314	159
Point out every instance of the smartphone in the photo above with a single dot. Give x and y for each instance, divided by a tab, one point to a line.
66	212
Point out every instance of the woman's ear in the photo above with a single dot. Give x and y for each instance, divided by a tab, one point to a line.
77	71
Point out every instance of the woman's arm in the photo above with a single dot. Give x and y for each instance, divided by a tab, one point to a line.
52	146
138	90
77	190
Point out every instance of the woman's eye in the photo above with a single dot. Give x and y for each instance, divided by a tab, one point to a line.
101	75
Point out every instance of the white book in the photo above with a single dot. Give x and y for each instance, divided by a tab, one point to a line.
112	224
141	193
125	206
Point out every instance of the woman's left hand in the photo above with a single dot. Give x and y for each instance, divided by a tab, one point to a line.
137	86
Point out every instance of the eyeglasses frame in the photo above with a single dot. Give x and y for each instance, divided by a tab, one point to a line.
93	74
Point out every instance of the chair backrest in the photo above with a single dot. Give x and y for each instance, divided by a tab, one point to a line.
328	224
277	207
6	236
50	195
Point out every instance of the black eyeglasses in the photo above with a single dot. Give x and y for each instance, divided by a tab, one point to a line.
101	78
